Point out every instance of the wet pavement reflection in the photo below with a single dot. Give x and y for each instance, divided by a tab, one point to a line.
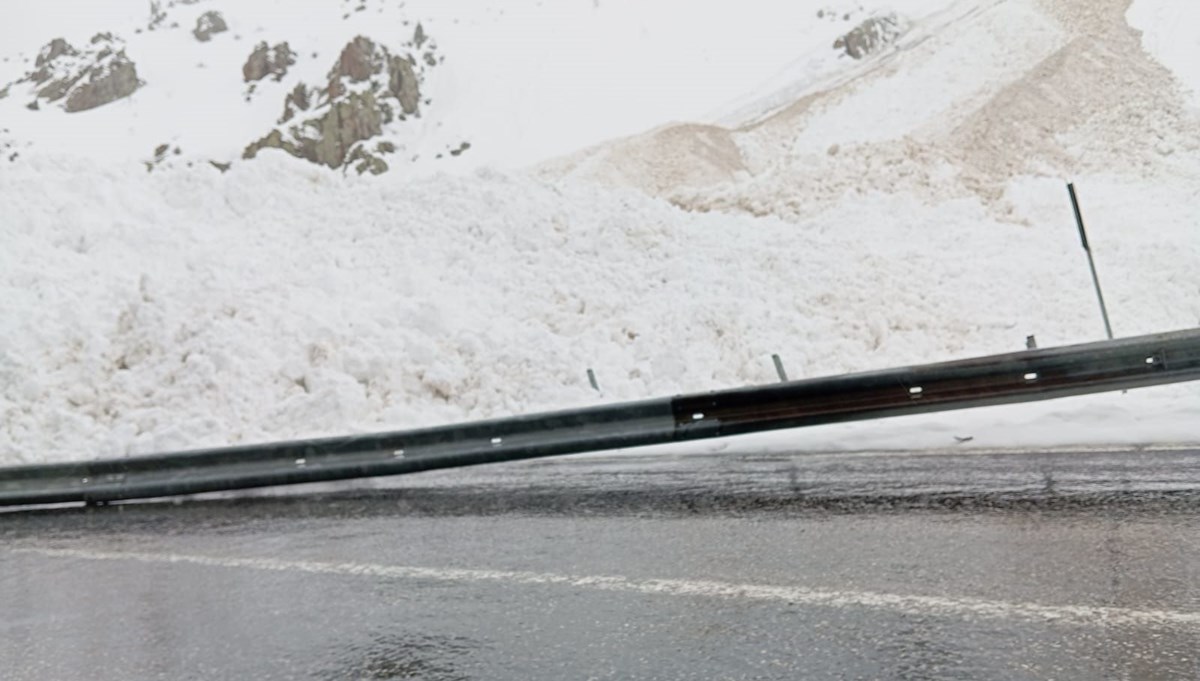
702	567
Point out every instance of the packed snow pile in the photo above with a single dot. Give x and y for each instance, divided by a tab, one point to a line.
847	213
184	308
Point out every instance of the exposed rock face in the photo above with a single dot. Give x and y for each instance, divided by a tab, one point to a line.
297	100
268	61
368	88
85	78
329	137
106	84
402	83
870	36
157	15
208	25
55	49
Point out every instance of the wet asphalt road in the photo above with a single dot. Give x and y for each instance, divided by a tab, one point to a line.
848	566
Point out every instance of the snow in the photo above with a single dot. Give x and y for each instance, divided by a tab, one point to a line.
1006	41
186	307
1169	33
523	80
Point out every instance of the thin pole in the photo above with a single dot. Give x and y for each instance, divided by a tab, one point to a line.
779	368
1091	261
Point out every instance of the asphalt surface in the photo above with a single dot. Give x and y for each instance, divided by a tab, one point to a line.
734	566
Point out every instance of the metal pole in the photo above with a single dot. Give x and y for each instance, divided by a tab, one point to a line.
1091	261
779	368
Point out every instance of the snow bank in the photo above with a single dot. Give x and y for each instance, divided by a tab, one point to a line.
187	308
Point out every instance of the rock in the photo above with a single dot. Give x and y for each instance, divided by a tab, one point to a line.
157	15
85	79
296	100
268	61
358	61
57	89
367	88
108	83
419	36
53	50
402	83
347	122
366	162
870	36
208	25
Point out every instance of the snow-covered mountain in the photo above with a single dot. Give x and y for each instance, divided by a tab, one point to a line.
666	192
505	83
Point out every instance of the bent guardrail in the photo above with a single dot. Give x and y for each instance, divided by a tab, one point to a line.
999	379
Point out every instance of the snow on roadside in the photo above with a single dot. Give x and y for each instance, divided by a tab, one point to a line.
188	308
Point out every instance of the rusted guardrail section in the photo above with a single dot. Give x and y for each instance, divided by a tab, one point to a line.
1001	379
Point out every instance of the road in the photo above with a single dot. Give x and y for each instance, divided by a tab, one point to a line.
734	566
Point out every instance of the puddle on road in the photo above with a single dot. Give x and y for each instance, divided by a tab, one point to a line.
403	656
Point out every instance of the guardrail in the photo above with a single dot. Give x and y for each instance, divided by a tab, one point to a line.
999	379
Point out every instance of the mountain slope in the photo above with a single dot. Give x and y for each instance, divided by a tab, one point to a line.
971	97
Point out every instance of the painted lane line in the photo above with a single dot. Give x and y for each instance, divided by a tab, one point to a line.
1075	615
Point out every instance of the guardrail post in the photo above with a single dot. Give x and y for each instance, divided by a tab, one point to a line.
1091	261
783	378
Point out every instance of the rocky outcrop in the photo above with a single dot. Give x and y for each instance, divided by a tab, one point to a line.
871	36
368	88
82	78
157	15
268	61
208	25
334	133
108	83
299	99
53	50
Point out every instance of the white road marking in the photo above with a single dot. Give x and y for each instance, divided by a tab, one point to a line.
1075	615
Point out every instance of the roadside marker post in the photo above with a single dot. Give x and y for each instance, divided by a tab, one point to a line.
783	378
1091	260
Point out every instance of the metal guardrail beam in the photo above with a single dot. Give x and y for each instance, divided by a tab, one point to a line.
1000	379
